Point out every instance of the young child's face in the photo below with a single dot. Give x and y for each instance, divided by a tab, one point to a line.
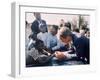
53	31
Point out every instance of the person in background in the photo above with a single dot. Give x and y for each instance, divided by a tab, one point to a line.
36	27
87	33
62	23
52	41
26	24
76	32
83	30
68	25
37	23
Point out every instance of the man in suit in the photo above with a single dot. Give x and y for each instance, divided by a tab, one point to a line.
36	27
81	44
82	48
37	23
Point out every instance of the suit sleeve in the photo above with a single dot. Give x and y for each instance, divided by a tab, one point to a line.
34	27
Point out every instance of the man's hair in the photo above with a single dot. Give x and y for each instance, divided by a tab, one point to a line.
84	27
64	32
68	24
76	30
36	13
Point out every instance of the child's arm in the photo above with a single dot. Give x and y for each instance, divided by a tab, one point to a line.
57	46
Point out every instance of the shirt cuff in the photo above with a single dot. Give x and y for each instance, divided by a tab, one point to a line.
69	55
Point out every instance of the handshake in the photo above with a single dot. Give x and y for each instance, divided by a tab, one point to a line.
64	55
61	55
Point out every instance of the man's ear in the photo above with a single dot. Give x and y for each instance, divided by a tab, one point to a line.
62	38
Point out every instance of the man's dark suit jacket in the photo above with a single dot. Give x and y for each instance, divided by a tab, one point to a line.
82	47
35	26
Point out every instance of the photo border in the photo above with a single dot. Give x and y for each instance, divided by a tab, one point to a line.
16	38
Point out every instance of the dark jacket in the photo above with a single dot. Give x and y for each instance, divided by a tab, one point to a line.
82	47
35	26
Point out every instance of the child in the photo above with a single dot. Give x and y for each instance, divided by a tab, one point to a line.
39	54
52	41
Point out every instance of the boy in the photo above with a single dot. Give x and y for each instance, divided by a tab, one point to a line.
52	41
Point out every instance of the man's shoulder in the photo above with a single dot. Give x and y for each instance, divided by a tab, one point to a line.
82	39
43	21
35	21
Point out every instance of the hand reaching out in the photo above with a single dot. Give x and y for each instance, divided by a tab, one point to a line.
60	55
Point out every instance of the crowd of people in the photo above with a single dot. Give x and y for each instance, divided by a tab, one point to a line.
58	41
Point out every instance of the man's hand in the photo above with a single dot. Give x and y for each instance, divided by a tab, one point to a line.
60	55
